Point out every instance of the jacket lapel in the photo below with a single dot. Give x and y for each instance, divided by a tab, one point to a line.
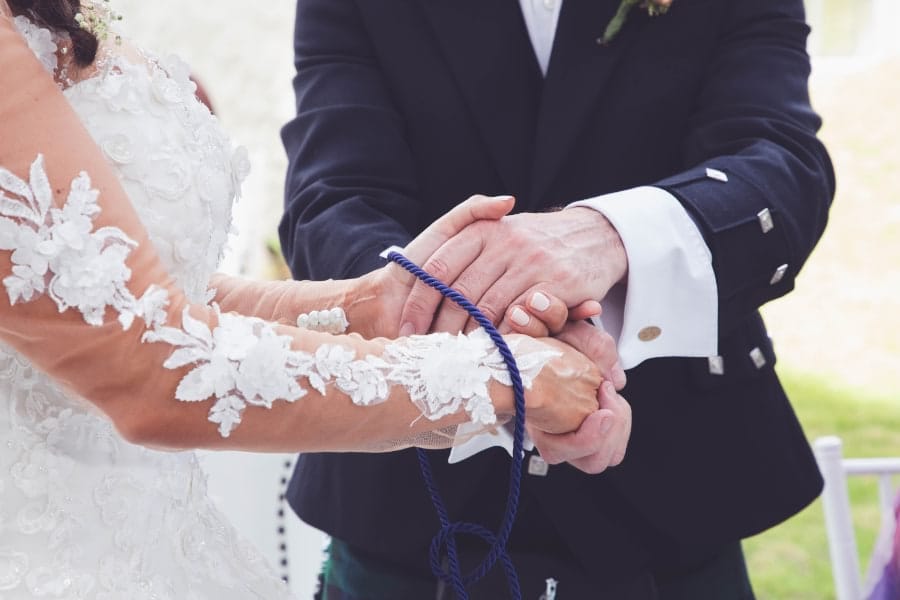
579	68
486	45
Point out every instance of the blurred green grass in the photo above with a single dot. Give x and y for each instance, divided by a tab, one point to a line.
790	561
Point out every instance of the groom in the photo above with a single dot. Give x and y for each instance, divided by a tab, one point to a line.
690	138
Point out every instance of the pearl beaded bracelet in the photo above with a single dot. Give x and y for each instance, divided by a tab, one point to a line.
327	321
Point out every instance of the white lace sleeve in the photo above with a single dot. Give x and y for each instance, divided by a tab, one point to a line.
242	361
57	251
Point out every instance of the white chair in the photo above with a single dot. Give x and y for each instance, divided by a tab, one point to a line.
836	503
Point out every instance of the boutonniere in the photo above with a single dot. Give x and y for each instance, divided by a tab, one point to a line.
653	8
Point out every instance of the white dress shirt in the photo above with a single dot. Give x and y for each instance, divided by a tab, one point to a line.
669	306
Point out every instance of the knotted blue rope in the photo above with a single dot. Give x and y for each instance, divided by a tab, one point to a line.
446	537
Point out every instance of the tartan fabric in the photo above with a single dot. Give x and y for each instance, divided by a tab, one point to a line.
347	576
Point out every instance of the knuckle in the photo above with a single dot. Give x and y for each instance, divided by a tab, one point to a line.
533	254
551	456
598	468
536	329
572	273
599	462
497	300
464	288
555	325
588	465
605	347
482	228
449	307
418	303
593	346
606	342
506	327
490	311
437	267
517	235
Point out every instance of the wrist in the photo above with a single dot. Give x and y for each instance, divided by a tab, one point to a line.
604	241
363	305
503	399
536	388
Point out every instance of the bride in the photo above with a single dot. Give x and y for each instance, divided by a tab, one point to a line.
121	346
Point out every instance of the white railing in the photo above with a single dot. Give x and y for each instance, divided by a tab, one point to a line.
838	515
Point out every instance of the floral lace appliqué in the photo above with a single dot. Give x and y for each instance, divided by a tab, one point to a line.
243	361
443	372
56	250
41	41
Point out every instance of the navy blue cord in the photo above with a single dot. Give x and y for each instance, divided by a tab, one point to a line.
446	537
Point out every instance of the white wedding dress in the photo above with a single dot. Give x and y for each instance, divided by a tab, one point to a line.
84	514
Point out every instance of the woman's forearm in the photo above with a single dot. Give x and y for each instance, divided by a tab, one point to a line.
360	302
351	400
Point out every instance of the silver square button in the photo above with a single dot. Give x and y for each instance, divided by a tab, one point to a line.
778	275
758	358
765	220
717	175
537	466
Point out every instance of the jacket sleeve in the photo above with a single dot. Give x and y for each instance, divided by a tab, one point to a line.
346	136
759	182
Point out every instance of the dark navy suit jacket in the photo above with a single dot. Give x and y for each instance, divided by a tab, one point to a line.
407	107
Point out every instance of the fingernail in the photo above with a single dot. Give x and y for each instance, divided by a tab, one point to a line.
407	329
608	389
619	377
519	317
539	302
503	197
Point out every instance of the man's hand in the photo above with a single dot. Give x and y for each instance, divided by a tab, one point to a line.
602	439
598	444
574	254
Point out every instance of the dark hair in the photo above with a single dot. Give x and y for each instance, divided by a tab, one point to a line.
59	15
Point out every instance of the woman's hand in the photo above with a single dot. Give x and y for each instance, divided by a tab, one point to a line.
539	313
393	283
565	391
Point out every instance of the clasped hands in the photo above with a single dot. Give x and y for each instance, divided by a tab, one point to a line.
540	275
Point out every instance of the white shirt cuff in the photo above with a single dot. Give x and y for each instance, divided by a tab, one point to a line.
670	305
502	437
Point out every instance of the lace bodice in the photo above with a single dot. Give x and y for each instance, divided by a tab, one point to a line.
84	514
167	148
